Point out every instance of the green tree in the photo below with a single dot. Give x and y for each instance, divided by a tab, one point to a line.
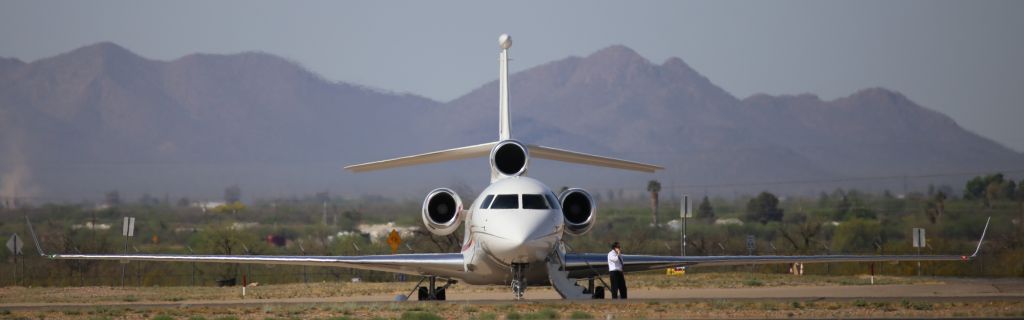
975	188
800	230
705	211
856	234
226	239
936	207
842	208
233	207
654	187
989	188
764	208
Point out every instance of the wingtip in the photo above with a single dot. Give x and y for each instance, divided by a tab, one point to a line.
982	239
35	240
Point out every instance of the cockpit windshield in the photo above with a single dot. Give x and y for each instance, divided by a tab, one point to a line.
534	201
511	201
553	200
506	201
487	201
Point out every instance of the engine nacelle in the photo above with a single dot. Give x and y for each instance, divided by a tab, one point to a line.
578	211
442	211
509	158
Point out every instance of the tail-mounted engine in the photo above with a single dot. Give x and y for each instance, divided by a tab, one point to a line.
442	211
578	211
508	158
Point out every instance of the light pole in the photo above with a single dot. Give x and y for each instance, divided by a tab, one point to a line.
684	213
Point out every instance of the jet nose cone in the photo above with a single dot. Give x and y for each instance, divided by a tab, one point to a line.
523	247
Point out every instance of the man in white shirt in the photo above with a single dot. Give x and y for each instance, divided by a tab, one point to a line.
615	271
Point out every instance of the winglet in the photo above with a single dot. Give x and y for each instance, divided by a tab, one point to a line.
983	231
32	231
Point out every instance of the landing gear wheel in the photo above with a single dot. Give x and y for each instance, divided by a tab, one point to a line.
518	288
424	295
518	280
432	291
421	294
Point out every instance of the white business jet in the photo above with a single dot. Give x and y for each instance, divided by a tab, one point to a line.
513	230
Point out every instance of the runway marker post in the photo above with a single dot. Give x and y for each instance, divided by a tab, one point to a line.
128	231
919	243
14	245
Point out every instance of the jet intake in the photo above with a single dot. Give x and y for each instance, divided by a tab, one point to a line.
442	211
578	211
509	158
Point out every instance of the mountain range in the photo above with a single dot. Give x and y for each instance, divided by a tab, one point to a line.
102	118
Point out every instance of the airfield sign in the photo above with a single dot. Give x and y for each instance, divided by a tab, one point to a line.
919	238
128	227
686	209
394	240
15	244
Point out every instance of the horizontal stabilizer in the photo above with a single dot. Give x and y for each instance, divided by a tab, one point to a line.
483	150
589	159
479	150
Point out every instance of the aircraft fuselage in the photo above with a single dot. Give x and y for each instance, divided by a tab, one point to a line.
515	220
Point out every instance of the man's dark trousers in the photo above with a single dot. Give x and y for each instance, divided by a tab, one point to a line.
618	285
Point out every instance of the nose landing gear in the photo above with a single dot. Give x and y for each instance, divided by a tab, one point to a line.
518	280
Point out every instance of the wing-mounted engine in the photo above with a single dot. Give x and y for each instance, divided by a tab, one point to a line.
578	211
509	158
442	211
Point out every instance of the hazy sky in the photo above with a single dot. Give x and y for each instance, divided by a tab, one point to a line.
962	58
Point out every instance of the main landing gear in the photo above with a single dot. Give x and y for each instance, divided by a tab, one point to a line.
431	292
594	292
518	280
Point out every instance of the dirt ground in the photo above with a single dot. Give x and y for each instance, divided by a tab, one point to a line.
729	295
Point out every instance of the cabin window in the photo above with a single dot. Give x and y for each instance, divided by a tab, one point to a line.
534	201
506	201
487	201
553	200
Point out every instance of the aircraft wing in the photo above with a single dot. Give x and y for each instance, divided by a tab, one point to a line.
581	265
590	264
446	265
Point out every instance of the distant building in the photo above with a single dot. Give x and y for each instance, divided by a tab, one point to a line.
207	205
728	221
244	225
90	226
378	232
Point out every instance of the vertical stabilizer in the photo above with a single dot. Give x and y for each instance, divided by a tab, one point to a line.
505	130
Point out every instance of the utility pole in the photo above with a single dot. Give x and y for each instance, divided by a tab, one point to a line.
305	279
685	211
919	243
193	266
138	269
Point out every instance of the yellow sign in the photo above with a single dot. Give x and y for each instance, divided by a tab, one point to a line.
394	240
677	271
